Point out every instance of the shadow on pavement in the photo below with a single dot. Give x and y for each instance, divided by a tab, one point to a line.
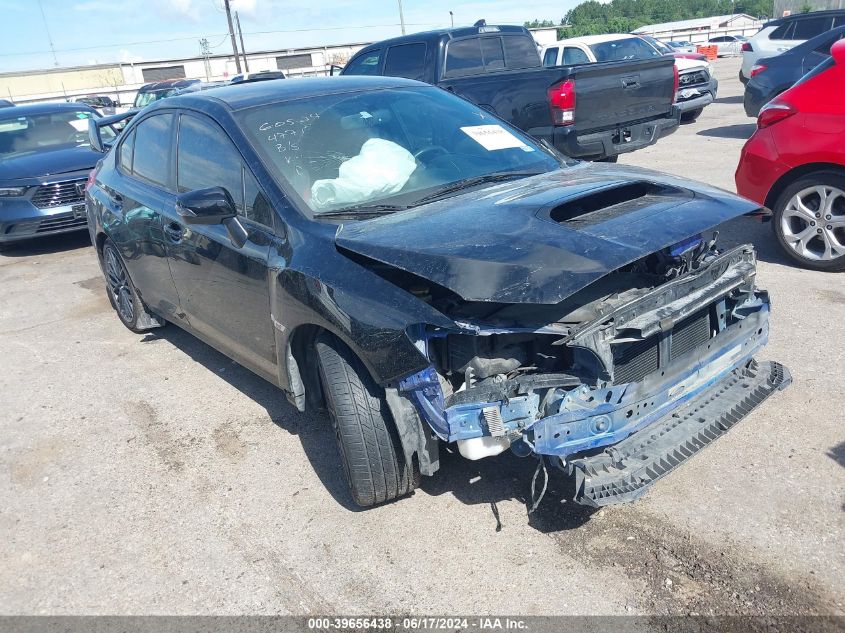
313	429
837	453
503	478
729	100
749	230
47	244
740	131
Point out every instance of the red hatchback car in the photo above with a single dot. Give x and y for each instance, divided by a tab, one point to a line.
795	165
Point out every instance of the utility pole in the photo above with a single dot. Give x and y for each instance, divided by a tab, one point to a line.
241	37
452	17
401	17
50	37
232	35
206	52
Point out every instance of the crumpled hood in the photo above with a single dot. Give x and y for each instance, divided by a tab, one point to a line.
541	239
33	165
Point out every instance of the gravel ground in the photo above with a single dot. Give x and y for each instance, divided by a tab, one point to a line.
151	475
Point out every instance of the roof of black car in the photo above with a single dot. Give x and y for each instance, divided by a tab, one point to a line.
810	14
246	95
43	108
463	31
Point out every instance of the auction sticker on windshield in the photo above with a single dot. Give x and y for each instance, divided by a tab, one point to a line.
493	137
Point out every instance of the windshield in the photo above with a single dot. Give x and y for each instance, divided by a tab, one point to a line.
660	46
146	98
395	147
36	132
618	50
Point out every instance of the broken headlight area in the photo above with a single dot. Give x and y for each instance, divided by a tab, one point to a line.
619	356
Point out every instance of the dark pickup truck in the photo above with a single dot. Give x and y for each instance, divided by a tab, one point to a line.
590	111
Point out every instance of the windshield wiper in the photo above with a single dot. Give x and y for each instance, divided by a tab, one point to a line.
370	210
472	182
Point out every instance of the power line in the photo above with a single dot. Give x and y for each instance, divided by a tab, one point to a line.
49	37
225	36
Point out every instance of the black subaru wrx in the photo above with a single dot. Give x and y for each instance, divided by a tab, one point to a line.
429	274
45	160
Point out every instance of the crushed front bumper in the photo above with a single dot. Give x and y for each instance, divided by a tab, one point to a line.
624	471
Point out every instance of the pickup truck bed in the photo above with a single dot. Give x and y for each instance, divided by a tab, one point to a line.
614	107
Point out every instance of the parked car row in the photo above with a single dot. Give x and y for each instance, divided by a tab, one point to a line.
45	159
778	36
795	165
771	76
594	112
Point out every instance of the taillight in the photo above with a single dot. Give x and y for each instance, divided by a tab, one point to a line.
756	69
774	112
92	177
746	47
677	83
562	102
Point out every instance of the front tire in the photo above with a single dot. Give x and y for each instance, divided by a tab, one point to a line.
123	295
809	221
367	439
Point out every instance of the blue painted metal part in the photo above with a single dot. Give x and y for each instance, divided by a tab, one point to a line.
587	418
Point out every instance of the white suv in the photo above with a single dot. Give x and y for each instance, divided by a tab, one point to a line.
780	35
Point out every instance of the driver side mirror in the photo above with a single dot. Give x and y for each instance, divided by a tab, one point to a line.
333	68
212	206
206	206
837	51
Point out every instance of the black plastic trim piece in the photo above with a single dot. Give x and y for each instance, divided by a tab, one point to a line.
624	471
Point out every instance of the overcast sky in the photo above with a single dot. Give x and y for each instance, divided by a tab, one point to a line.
102	31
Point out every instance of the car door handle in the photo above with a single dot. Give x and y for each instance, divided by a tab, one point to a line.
174	231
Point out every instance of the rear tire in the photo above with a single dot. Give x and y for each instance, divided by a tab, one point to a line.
123	295
691	115
795	212
367	440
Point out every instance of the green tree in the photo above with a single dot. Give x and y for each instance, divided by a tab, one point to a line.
623	16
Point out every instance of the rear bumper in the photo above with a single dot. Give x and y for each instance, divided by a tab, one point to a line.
759	168
756	96
612	142
624	472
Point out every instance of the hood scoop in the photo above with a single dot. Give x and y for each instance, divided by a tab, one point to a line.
605	203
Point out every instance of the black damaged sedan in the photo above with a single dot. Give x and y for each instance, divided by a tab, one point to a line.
428	274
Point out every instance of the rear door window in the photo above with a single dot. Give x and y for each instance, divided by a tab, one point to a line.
520	51
783	32
573	56
463	57
366	64
824	49
618	50
152	155
406	60
808	28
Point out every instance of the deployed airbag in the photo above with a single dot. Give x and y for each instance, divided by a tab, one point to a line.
380	169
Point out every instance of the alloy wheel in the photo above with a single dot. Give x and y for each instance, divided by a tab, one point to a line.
121	291
813	223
